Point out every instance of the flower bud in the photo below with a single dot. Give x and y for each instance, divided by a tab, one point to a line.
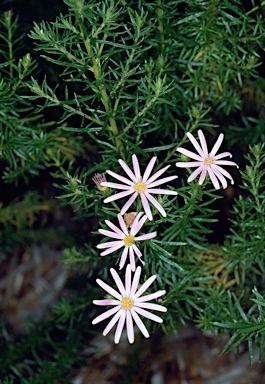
98	179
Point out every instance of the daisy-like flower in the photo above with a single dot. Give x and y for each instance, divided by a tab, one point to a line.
207	162
140	185
128	304
126	239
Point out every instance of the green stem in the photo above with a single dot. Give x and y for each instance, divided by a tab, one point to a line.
73	58
243	216
15	87
115	206
123	78
104	95
255	9
56	162
161	28
102	45
188	211
256	191
66	106
8	17
141	113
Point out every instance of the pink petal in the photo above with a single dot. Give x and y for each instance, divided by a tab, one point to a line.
149	168
144	287
147	236
203	142
110	244
111	250
196	173
106	302
223	171
129	203
129	327
106	314
156	175
112	322
135	221
189	164
118	281
155	203
122	224
225	162
213	178
138	253
128	280
132	258
116	185
108	289
146	206
155	307
139	323
135	281
128	171
137	224
195	144
114	235
151	296
158	191
217	145
203	175
137	250
136	167
119	327
114	228
190	154
119	177
147	314
123	257
128	273
118	196
221	155
220	177
161	181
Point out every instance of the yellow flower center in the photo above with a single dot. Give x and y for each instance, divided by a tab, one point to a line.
208	161
128	240
126	303
140	187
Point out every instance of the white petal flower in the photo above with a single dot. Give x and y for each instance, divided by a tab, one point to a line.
128	304
207	162
137	184
125	239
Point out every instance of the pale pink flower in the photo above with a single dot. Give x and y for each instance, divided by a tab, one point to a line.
98	179
140	185
128	304
126	239
207	162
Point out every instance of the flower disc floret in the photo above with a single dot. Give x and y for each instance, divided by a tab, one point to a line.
129	240
140	187
207	162
128	303
136	184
